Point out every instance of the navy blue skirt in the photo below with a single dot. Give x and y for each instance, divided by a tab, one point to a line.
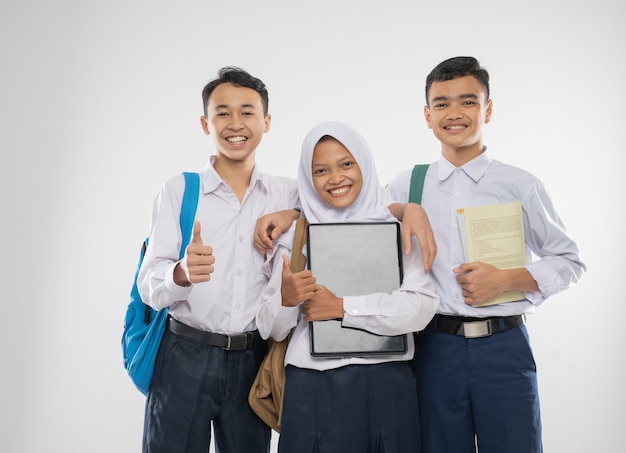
356	408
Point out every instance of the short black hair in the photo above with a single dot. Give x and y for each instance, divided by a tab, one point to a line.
238	77
458	67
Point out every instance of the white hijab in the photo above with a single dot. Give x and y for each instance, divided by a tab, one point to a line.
368	206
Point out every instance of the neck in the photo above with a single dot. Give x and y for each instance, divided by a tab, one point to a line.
462	155
236	174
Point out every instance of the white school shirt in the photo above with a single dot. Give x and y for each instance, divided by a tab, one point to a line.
228	303
552	257
408	309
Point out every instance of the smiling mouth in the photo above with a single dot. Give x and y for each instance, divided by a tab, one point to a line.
455	128
235	140
339	190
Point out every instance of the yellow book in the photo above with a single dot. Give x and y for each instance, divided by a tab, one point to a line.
494	234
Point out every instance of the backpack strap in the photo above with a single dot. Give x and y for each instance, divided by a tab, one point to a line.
298	260
187	216
417	183
188	208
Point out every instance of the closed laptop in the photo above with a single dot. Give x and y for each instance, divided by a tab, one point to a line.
353	259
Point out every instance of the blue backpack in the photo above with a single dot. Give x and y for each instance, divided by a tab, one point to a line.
144	326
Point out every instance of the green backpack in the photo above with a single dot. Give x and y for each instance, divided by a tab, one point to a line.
417	183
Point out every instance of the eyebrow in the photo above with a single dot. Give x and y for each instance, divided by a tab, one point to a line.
341	160
225	106
460	96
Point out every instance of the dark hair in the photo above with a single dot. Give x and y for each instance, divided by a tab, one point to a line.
326	138
458	67
238	77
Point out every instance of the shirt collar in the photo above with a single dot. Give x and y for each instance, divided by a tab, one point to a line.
475	168
211	180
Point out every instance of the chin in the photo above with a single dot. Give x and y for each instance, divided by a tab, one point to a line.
339	204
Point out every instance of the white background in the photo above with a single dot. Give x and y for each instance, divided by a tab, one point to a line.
100	103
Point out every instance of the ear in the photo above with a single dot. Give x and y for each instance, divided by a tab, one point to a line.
204	124
488	110
268	120
427	116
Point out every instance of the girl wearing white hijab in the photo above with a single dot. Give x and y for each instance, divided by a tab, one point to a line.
361	404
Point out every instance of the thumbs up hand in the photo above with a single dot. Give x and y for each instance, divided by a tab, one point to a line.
197	264
296	288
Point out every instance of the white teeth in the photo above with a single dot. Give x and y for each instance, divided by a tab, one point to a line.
455	127
339	191
236	139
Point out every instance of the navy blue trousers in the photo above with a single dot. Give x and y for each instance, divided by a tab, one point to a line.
355	408
194	386
477	394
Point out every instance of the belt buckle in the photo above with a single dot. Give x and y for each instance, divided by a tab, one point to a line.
477	329
235	343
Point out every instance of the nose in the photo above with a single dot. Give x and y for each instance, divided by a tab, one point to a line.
235	123
453	112
335	176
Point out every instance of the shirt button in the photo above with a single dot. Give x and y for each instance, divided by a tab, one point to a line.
355	311
457	194
238	271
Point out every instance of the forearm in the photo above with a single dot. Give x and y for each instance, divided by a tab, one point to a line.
157	287
292	214
397	210
518	280
272	318
407	309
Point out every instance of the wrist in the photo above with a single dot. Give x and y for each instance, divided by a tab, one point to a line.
180	278
340	311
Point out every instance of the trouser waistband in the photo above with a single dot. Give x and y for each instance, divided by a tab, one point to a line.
227	342
475	327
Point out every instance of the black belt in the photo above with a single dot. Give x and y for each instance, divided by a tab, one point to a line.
474	327
227	342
